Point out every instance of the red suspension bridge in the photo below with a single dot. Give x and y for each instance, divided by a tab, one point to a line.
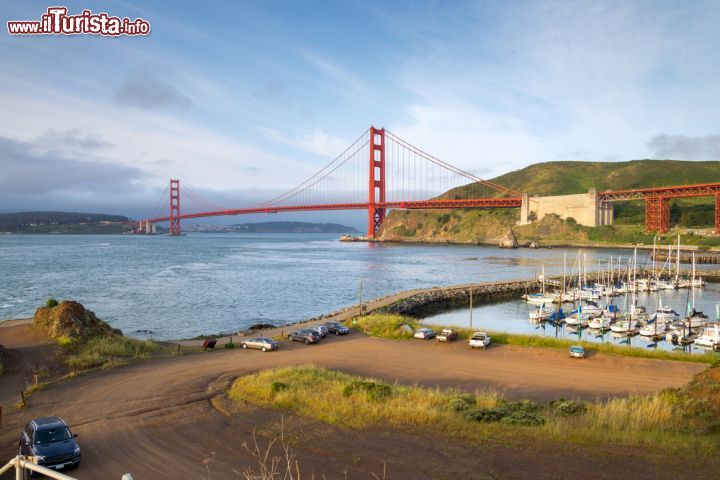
380	171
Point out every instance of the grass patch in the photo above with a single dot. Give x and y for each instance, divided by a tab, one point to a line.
394	326
106	352
672	422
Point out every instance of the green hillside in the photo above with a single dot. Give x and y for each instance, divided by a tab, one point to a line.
63	222
563	178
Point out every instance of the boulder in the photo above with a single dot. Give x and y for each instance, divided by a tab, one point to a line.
508	240
71	319
533	245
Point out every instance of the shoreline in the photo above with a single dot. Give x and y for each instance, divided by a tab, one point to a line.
433	300
540	245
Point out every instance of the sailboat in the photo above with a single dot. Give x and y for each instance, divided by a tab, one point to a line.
541	313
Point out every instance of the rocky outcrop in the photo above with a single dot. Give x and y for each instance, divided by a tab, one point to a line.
533	245
71	319
508	240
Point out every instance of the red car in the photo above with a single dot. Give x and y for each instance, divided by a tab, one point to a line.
447	335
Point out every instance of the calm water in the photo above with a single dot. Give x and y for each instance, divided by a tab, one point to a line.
512	317
207	283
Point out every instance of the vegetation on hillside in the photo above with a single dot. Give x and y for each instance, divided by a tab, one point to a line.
62	222
674	422
563	178
87	340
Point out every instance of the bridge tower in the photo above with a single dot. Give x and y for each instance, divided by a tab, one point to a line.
174	207
376	215
657	214
717	213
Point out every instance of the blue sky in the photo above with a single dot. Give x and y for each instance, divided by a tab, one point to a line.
242	99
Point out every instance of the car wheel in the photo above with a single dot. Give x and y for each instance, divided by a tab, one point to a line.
307	342
337	334
245	346
264	349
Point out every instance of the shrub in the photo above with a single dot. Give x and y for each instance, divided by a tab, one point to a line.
523	418
373	390
278	387
51	303
524	406
486	414
568	408
67	343
462	403
230	345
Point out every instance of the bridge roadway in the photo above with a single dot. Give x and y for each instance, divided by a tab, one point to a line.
509	202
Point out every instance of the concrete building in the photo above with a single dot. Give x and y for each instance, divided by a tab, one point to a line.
585	208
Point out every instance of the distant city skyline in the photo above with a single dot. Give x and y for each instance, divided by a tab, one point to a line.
245	99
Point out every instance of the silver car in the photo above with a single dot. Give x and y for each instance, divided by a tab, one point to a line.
261	343
322	330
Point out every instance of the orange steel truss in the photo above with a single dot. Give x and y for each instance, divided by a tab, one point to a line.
657	202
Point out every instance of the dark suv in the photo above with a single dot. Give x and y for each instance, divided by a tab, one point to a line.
337	328
51	442
305	336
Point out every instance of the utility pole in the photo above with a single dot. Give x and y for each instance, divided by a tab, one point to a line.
361	298
471	294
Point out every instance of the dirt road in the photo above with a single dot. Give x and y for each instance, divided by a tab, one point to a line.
156	419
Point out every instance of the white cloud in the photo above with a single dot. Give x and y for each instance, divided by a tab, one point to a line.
316	141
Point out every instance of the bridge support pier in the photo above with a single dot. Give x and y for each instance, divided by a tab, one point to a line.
376	215
657	214
174	207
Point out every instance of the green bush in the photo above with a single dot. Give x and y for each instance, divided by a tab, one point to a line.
278	387
485	414
373	390
230	345
51	303
524	406
523	418
567	408
462	403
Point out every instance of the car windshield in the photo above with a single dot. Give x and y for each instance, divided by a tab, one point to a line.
479	337
576	349
51	435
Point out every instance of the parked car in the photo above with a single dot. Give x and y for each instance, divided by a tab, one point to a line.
322	330
337	328
306	336
576	351
261	343
480	340
447	335
424	333
52	444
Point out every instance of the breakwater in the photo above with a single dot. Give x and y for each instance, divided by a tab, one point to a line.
430	302
437	300
708	258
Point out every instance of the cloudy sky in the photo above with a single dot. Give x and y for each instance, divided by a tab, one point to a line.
241	99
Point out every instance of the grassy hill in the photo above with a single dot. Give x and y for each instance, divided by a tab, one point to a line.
62	222
564	178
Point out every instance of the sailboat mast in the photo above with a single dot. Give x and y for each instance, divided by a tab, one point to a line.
677	260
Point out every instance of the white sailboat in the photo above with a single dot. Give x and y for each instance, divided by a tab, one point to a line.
709	337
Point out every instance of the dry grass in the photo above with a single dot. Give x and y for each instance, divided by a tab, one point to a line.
668	421
107	352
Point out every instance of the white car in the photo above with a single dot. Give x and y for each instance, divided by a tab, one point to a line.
480	340
424	333
576	351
